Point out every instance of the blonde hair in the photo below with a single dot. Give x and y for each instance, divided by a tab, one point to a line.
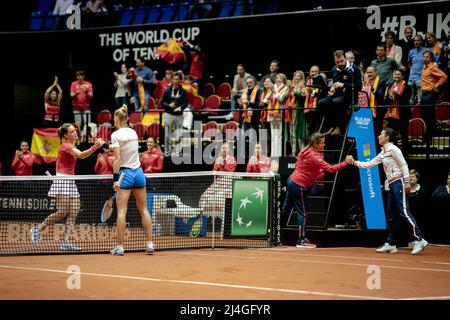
122	114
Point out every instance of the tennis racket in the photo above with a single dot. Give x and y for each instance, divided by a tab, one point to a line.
108	206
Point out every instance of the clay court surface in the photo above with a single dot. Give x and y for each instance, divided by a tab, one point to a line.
284	273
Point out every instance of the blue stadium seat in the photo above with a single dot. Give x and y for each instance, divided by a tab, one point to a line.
183	11
52	21
168	13
36	20
239	9
226	9
127	15
46	5
153	15
139	17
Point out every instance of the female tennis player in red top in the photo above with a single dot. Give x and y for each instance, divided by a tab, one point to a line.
307	170
65	191
152	160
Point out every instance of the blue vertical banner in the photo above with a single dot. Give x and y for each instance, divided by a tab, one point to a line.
361	128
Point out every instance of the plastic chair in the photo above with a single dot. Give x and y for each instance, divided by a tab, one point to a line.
104	117
153	130
135	117
443	116
416	130
416	111
198	103
224	91
212	104
229	130
208	89
211	131
140	130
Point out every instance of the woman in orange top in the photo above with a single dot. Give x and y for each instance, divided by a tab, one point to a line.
433	79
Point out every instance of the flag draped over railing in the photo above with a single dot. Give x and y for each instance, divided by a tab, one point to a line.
45	145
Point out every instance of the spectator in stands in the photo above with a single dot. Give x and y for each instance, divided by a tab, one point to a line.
417	199
445	58
124	142
104	164
385	65
122	85
433	80
61	7
199	9
258	162
143	83
316	89
174	101
407	43
416	62
152	160
65	191
343	93
197	63
23	160
280	92
81	93
435	46
162	85
95	6
350	56
295	115
399	113
375	88
239	86
307	168
250	105
442	192
266	97
397	177
225	161
52	103
274	70
393	51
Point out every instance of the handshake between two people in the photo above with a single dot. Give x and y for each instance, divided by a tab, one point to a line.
349	159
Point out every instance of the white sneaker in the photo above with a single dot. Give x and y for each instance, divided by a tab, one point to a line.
419	246
229	116
149	248
117	251
387	248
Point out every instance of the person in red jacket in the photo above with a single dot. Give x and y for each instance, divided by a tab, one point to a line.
308	168
259	162
152	160
104	164
23	160
225	161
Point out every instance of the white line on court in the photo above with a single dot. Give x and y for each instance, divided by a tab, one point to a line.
212	284
428	298
314	261
272	250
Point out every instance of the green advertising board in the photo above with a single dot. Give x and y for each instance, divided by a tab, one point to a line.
250	207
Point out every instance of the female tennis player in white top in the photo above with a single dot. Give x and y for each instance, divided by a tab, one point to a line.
124	142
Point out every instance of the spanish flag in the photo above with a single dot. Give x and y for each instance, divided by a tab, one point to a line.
171	51
45	145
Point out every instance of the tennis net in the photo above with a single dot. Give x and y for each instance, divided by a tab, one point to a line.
188	210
